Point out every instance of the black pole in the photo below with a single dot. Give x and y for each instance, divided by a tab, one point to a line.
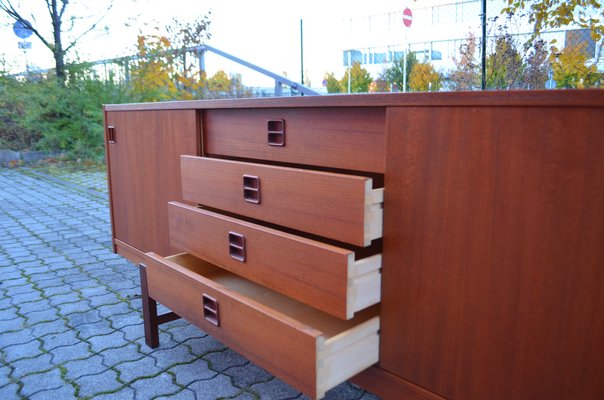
301	53
484	45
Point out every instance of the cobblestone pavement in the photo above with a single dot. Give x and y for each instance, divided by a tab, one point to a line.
70	319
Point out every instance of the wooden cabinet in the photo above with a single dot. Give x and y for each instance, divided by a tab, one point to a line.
143	159
476	221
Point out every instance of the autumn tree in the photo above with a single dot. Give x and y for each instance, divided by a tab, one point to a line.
360	79
536	66
556	14
183	37
466	74
153	75
424	78
570	69
64	24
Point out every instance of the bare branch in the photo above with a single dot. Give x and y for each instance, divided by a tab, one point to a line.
92	27
10	10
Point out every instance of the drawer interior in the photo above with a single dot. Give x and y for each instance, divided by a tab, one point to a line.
328	325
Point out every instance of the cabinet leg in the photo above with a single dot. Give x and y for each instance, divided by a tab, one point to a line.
150	318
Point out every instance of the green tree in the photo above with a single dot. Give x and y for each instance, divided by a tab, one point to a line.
219	85
424	78
360	79
505	67
333	84
64	25
395	75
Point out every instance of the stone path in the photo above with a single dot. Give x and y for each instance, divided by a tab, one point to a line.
70	319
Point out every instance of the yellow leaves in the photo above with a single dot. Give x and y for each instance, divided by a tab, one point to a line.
424	78
570	69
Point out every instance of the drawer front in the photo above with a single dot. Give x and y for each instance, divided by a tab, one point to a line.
305	347
337	206
347	138
323	276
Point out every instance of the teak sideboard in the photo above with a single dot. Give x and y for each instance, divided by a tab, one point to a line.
426	246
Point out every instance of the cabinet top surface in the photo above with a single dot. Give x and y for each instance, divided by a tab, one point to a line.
512	98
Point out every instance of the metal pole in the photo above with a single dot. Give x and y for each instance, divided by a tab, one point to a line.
349	71
484	45
301	53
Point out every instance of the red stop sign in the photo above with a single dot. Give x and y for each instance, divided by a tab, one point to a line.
407	17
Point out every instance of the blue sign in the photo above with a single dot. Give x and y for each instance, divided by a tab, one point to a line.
22	29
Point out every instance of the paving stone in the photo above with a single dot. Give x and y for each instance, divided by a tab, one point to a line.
202	345
275	389
109	298
191	372
344	391
135	332
217	387
43	381
45	328
183	331
120	321
64	392
165	358
14	324
87	366
184	394
70	308
101	327
54	340
64	299
245	396
4	375
151	388
102	342
248	374
38	305
9	391
16	337
108	311
132	370
130	352
18	351
67	353
37	317
220	361
124	393
91	293
81	318
91	385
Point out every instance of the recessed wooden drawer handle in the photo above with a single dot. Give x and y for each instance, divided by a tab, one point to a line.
111	134
237	246
276	132
251	189
210	310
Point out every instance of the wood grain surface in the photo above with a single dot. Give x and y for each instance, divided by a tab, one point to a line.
321	203
144	173
338	138
494	251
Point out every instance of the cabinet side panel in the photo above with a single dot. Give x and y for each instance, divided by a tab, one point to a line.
144	173
493	275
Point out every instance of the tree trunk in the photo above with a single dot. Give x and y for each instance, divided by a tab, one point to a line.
58	52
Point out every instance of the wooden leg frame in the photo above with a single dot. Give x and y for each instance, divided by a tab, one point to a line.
152	321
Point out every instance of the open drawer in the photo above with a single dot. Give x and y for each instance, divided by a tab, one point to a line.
307	348
321	275
338	206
